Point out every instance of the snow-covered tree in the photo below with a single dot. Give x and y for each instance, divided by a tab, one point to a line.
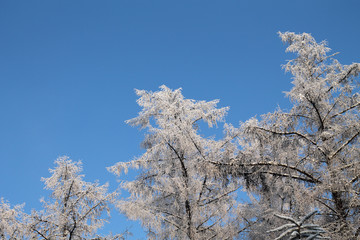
307	158
76	209
177	194
12	225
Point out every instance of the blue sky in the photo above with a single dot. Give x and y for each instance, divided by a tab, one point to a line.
68	70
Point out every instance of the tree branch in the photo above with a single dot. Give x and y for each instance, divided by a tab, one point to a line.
344	145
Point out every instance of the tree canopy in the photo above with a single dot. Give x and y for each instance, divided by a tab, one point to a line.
299	167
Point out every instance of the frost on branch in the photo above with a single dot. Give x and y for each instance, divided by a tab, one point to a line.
298	229
178	194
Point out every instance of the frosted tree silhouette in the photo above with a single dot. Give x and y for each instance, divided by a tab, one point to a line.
177	194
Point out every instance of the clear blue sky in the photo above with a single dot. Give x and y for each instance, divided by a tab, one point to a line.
68	70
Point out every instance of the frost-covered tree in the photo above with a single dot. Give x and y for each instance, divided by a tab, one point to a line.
291	162
307	158
177	194
76	209
12	225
